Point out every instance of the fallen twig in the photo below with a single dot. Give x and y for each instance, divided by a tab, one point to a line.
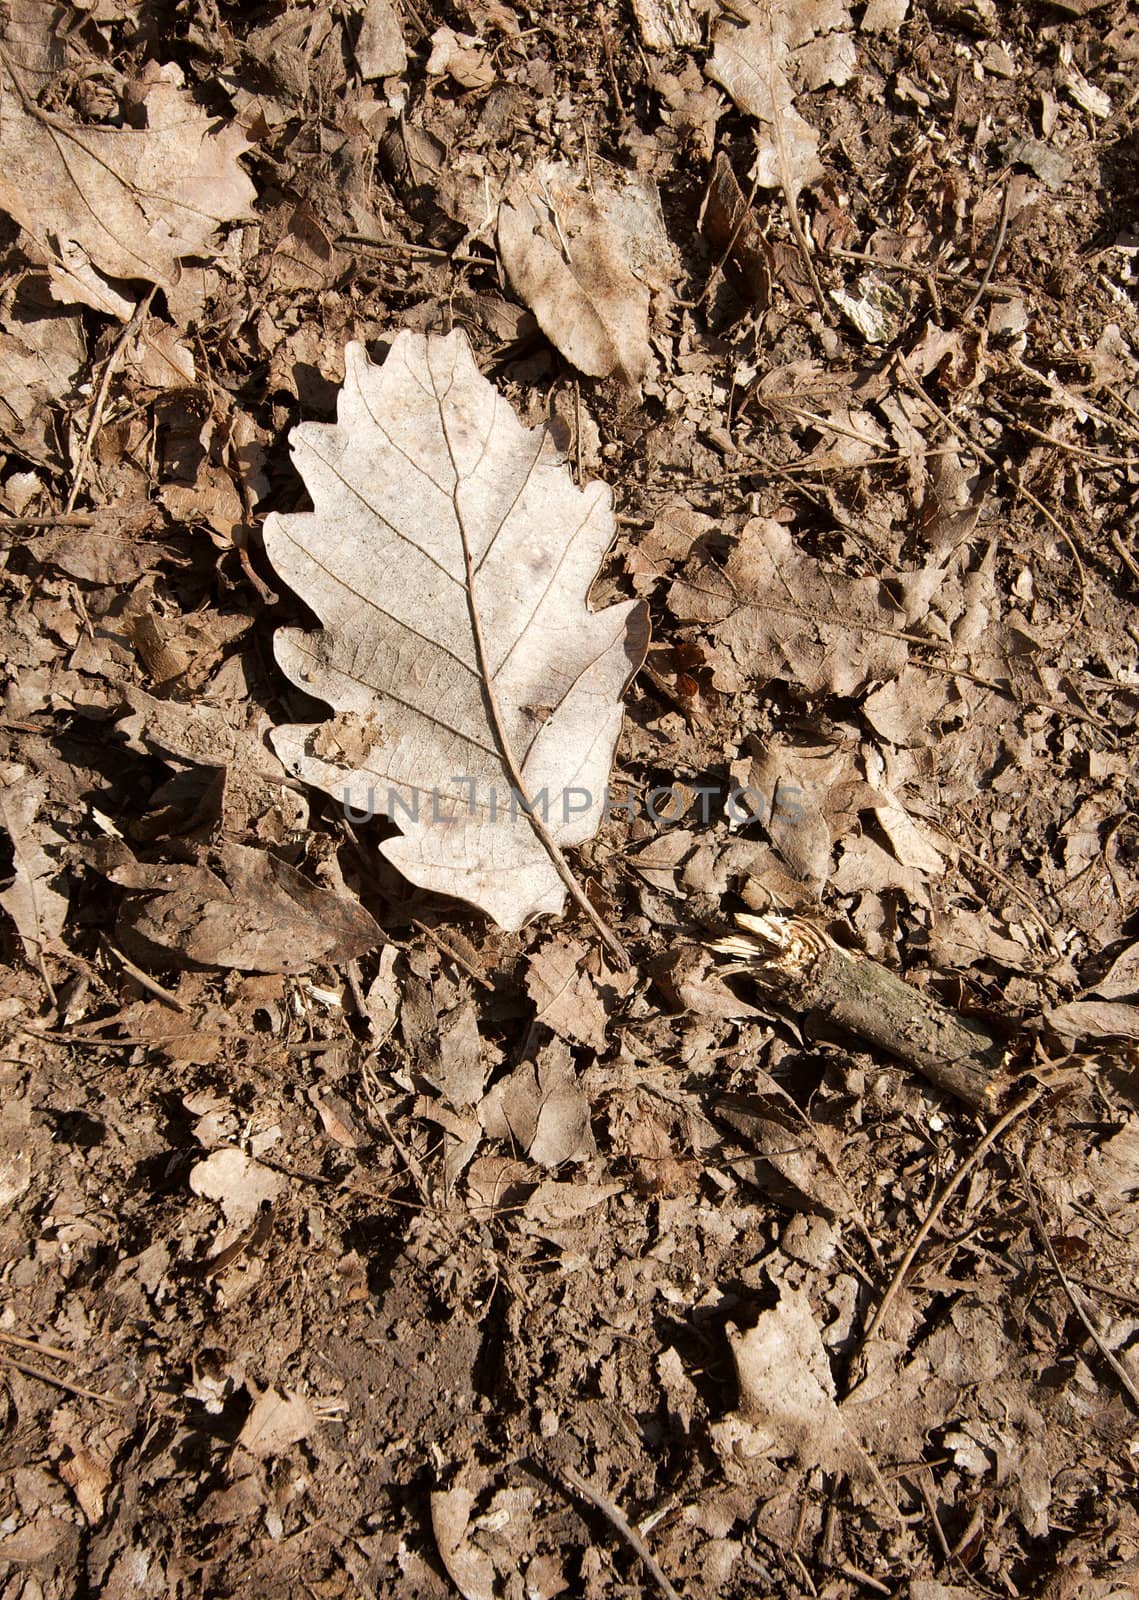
987	275
113	362
1113	1361
809	973
61	1383
630	1535
945	1194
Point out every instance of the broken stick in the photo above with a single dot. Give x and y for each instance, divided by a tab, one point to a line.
809	974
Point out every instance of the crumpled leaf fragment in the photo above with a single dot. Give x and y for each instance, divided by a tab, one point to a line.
448	559
470	1569
279	1418
763	55
264	916
540	1108
564	995
787	1403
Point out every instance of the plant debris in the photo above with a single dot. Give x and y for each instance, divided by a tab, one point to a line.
493	1103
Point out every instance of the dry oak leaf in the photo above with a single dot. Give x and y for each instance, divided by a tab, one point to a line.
448	558
120	203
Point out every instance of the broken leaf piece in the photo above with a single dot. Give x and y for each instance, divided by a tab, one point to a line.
787	1397
763	56
782	615
448	558
31	899
279	1418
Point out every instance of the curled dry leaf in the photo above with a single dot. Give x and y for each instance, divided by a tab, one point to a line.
470	1569
448	559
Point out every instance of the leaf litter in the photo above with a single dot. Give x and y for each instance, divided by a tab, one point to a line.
357	1237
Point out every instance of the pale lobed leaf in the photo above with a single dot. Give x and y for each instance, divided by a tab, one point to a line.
448	558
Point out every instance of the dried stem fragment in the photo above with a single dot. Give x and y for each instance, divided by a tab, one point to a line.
797	963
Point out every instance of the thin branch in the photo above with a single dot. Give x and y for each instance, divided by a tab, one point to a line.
114	361
987	275
948	1190
1113	1361
617	1520
61	1383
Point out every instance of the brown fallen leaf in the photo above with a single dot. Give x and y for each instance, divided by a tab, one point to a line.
584	257
261	916
470	1569
564	995
33	899
797	1159
278	1419
787	1403
540	1109
240	1185
119	203
731	228
448	559
42	351
88	1475
380	50
782	615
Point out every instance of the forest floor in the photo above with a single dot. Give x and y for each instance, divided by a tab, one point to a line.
356	1242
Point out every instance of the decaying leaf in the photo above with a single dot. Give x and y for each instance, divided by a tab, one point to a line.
263	917
32	900
584	259
540	1109
380	50
730	225
240	1185
782	616
797	1159
764	54
448	559
787	1403
120	203
564	995
42	351
470	1569
279	1418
